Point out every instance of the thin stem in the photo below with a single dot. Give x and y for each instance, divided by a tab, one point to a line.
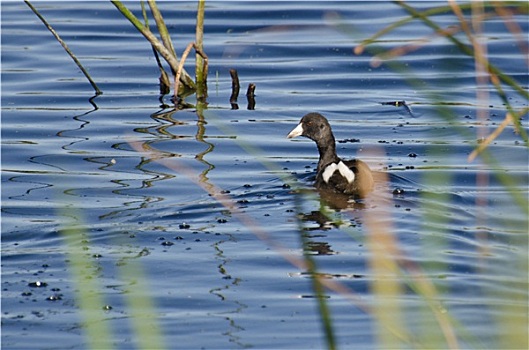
181	65
465	49
159	46
162	28
66	48
201	70
165	85
180	68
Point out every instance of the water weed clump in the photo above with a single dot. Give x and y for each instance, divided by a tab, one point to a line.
183	83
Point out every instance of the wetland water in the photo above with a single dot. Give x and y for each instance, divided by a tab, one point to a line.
89	220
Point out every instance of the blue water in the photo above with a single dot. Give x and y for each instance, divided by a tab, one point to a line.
137	184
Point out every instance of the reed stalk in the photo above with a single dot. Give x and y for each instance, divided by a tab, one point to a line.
162	28
165	84
65	47
166	49
167	54
201	71
181	67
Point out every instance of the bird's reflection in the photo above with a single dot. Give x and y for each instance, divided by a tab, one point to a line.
319	248
336	211
340	201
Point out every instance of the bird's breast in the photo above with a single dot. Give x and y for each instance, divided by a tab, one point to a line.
330	169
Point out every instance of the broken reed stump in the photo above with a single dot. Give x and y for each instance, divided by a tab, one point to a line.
235	87
250	96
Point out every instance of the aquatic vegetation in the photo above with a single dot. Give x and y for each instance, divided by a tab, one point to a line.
396	277
166	49
183	83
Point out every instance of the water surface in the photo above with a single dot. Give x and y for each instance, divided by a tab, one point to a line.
150	226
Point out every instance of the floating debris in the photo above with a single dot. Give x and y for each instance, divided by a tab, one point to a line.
394	103
250	96
235	87
348	141
37	284
399	104
54	297
398	191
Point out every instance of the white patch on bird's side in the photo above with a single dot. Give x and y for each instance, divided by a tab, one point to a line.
342	168
297	131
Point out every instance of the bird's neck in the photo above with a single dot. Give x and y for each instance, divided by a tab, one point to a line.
327	154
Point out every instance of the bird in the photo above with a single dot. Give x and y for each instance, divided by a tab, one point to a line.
348	177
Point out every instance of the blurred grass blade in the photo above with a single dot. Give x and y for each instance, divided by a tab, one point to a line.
465	49
385	284
317	285
84	272
140	306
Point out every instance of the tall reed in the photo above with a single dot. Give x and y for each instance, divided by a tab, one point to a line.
184	84
201	72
